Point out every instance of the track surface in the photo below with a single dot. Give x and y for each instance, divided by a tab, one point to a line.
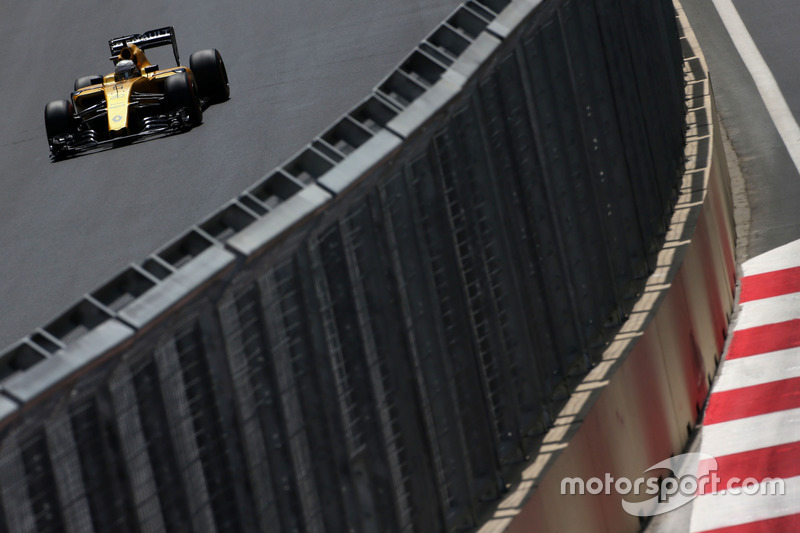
295	66
751	420
748	424
773	183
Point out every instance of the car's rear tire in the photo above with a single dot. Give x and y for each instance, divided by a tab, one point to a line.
59	119
181	93
86	81
212	78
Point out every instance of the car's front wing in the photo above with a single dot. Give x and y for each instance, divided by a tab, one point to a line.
83	141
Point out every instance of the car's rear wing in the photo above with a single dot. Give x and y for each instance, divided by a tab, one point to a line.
148	39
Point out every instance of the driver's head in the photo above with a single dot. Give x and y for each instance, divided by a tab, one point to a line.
125	69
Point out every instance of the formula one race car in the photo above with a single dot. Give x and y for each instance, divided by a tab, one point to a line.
137	99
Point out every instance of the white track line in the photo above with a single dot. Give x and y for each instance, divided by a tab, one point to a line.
781	258
752	433
758	369
713	511
769	311
764	80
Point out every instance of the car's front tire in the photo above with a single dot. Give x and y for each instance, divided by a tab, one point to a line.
59	119
209	71
181	93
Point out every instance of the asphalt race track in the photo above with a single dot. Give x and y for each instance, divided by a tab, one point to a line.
294	67
773	184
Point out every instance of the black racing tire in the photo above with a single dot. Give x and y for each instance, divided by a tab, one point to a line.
59	119
181	92
209	71
86	81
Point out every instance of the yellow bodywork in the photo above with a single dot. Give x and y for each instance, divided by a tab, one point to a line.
117	98
118	92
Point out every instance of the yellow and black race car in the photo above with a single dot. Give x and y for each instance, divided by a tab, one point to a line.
138	98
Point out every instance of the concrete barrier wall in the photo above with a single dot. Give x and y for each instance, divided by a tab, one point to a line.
377	334
639	405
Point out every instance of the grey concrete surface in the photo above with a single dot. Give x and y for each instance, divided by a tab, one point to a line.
294	67
772	181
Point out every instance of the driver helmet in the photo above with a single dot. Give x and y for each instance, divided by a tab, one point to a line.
125	69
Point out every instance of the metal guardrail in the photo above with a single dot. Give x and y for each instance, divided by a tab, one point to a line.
373	336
